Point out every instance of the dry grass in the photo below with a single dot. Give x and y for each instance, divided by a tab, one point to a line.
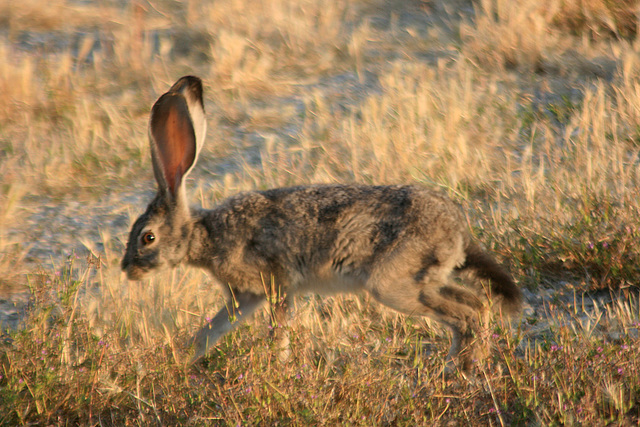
543	36
598	17
58	15
527	114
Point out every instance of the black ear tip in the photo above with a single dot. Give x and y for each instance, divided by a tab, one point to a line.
190	84
192	80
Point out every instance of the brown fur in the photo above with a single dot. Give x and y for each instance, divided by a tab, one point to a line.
399	243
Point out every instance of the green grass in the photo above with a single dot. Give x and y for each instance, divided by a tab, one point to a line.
526	114
354	362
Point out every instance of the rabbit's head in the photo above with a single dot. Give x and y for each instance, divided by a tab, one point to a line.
160	237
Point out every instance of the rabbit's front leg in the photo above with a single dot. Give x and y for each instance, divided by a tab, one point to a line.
241	306
279	329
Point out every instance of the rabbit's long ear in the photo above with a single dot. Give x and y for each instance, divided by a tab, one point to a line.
173	143
191	88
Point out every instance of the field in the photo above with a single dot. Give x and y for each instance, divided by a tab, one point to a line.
526	112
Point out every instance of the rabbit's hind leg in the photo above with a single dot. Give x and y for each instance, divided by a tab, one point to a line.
454	305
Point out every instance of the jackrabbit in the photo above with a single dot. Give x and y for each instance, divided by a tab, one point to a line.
402	244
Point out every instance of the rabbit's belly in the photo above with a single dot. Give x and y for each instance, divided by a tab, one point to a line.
329	284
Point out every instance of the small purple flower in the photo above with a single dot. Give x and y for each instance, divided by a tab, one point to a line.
495	336
599	349
605	245
208	319
620	371
590	245
298	376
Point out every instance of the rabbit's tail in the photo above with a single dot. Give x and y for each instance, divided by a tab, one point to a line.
502	284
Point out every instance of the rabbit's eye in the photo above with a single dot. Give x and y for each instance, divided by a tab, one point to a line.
148	238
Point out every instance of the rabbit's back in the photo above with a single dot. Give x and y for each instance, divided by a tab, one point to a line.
331	237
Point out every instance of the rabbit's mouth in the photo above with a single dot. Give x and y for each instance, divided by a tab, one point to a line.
135	269
139	265
135	272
